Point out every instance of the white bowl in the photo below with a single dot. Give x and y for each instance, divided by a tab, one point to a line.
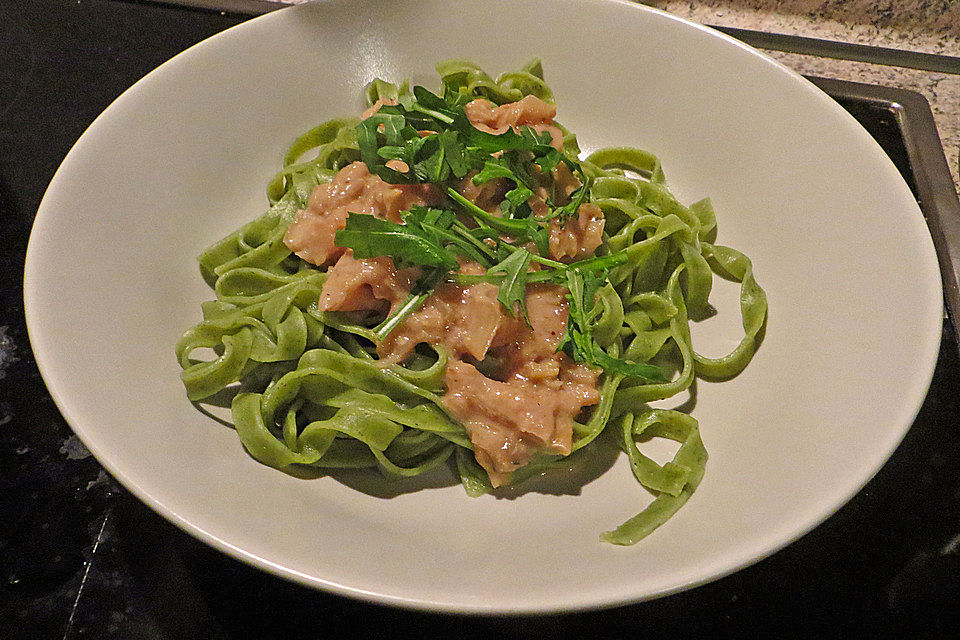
181	159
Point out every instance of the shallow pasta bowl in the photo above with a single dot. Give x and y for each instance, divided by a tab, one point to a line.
181	159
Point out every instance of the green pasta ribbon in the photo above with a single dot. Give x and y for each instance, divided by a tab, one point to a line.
674	482
306	388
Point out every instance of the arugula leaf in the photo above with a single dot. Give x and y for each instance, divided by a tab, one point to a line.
434	105
570	209
390	125
431	158
493	142
393	153
518	228
537	139
442	228
519	163
430	238
367	134
428	221
549	160
641	370
513	287
455	148
517	197
456	155
493	170
431	167
488	254
540	236
578	338
370	237
432	135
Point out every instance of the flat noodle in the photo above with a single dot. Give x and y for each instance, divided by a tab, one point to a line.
308	389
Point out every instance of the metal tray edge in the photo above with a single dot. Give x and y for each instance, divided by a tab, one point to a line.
936	192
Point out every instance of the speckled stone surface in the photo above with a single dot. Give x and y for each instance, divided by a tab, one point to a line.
930	26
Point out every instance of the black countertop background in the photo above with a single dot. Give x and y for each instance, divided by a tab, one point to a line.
82	558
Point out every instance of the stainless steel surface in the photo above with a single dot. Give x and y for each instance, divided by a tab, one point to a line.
845	50
250	7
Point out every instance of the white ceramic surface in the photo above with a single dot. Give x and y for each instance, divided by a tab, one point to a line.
182	157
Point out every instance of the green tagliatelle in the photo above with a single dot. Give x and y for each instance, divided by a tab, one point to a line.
306	385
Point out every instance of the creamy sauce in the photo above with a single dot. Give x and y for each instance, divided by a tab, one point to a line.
527	396
530	405
578	237
371	284
488	195
509	422
353	190
531	111
464	319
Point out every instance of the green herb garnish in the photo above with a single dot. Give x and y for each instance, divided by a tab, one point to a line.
578	340
433	137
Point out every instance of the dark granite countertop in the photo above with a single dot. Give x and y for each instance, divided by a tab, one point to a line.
81	558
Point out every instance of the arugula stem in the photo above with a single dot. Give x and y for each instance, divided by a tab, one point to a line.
601	262
536	277
391	322
469	249
512	227
546	276
547	261
435	114
461	230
